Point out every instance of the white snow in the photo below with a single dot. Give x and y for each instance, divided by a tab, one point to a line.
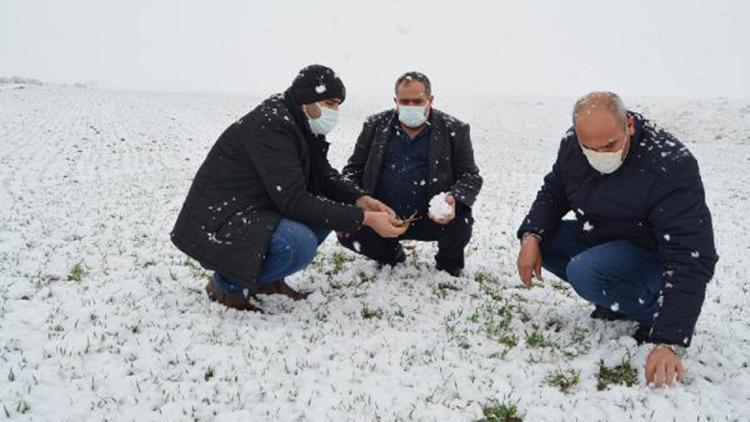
439	208
97	177
587	227
321	88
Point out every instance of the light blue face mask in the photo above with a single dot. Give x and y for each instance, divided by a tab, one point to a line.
325	122
412	116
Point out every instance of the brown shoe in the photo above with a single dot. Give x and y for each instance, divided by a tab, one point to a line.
231	300
281	288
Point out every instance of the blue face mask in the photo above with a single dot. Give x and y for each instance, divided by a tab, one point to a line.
412	116
325	122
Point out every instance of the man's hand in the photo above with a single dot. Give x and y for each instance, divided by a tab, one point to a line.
662	365
529	260
368	203
450	200
384	224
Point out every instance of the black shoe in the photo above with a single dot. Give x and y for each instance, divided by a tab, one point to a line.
454	271
238	300
606	314
398	258
643	334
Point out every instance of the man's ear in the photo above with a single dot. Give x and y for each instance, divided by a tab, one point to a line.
395	101
631	126
431	99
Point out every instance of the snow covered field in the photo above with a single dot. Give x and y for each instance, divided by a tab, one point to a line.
102	318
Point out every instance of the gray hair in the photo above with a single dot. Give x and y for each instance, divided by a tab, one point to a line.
414	77
608	100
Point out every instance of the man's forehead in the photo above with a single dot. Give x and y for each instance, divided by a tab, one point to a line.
411	88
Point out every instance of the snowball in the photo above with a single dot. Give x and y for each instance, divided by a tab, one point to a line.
615	307
440	209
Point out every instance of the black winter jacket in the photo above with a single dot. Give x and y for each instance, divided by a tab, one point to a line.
655	199
256	173
451	157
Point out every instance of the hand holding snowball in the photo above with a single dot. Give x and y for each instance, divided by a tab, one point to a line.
442	208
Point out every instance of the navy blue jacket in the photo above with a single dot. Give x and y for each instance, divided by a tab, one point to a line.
655	199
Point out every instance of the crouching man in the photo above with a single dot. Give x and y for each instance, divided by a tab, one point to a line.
642	244
266	195
419	161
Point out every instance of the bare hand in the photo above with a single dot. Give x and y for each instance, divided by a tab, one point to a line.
384	224
368	203
662	366
450	200
529	260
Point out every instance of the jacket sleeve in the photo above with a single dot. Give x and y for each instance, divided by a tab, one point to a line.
340	188
277	161
551	203
468	181
682	225
355	167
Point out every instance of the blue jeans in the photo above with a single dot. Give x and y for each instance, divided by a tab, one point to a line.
619	275
292	248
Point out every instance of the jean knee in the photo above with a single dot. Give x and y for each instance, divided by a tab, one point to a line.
582	276
304	243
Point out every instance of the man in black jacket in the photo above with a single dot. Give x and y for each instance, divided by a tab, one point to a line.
642	245
420	162
266	195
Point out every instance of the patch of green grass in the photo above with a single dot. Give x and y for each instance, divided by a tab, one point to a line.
538	339
338	262
501	412
369	313
510	340
77	272
622	374
208	374
565	381
196	270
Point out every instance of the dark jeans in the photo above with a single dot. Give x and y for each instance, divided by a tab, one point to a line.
292	248
619	275
452	238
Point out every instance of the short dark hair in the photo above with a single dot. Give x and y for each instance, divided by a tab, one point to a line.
412	77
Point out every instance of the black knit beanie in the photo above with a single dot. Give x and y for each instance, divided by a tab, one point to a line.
317	83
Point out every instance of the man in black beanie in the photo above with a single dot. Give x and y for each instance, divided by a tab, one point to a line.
266	196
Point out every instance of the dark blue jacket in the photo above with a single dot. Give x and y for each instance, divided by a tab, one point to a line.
656	200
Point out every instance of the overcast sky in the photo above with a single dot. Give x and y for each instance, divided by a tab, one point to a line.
656	47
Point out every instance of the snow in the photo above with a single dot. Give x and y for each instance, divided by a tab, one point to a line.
587	226
439	208
97	177
321	88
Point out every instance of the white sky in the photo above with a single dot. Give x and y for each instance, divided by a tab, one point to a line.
658	47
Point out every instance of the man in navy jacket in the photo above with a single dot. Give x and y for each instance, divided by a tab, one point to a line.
642	244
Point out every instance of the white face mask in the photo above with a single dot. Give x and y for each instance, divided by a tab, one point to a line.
605	162
412	116
325	122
